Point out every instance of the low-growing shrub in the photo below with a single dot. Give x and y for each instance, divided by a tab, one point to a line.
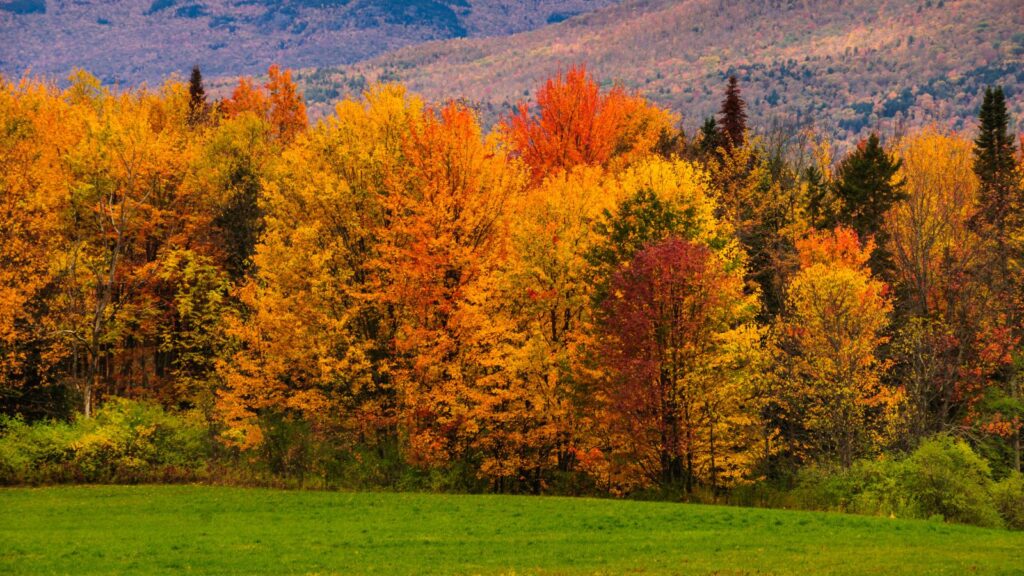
127	441
946	477
1009	500
25	449
867	487
130	442
882	489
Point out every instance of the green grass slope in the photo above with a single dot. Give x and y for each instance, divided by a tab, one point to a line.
213	530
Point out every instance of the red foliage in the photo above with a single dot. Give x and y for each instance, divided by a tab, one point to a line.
576	125
667	309
665	294
281	104
246	97
287	110
839	246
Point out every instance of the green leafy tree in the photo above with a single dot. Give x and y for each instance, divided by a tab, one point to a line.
193	333
641	220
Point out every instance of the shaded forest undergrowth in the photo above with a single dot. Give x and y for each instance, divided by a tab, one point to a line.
132	442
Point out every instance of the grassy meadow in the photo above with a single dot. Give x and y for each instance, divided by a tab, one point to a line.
217	530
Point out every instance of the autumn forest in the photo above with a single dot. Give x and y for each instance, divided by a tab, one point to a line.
581	299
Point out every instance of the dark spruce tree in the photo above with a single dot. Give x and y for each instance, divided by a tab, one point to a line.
999	217
818	194
733	116
197	106
865	188
671	143
241	221
710	138
994	151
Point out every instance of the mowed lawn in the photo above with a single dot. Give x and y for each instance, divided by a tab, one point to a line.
217	530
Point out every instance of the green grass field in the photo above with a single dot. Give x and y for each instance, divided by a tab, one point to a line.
213	530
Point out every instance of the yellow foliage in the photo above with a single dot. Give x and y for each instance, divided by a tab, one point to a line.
838	314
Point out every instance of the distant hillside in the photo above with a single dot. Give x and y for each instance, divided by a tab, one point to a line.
129	41
845	64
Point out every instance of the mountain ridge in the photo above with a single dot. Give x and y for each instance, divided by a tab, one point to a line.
133	41
848	66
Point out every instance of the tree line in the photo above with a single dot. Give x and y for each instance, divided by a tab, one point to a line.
582	294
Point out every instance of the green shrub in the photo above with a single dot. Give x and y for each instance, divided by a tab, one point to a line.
819	488
130	440
289	448
945	477
882	489
867	487
127	441
1009	499
24	446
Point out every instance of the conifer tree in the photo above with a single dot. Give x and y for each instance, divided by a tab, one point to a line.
818	191
196	98
733	115
671	143
866	187
999	219
710	138
994	151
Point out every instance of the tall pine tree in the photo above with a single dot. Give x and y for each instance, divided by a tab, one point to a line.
994	164
733	116
710	138
865	188
196	98
999	218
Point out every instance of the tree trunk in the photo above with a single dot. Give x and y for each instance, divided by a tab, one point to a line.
1015	392
87	393
1016	450
711	448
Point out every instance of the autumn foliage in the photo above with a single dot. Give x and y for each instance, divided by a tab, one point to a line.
574	124
278	101
581	300
682	351
839	314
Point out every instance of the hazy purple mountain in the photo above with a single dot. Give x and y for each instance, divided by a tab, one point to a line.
144	40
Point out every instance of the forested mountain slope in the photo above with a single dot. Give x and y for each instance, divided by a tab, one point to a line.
845	64
144	40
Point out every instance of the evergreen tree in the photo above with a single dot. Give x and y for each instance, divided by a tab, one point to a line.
865	188
671	143
733	115
241	221
994	161
710	138
818	197
196	98
998	219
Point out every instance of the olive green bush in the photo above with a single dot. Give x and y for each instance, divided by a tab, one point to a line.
127	441
1009	499
942	479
